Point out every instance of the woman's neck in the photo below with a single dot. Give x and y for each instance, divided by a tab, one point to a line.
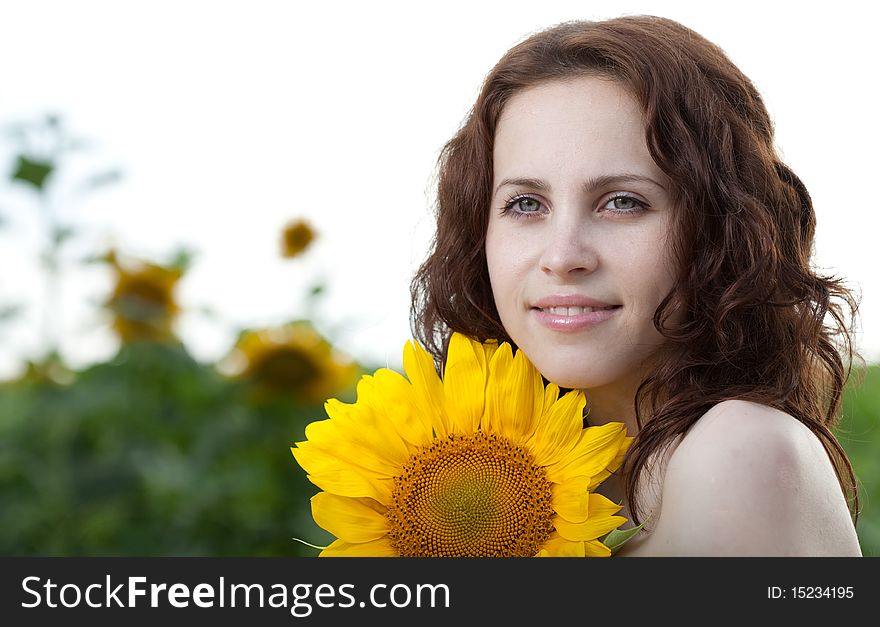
603	408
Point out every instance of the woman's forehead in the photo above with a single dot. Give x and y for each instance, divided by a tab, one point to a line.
590	126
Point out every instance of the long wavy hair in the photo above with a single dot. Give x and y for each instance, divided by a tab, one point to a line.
759	324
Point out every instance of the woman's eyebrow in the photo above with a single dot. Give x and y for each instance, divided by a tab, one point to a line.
606	180
538	184
614	179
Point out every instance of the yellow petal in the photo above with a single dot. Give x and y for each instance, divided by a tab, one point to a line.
464	382
489	348
601	505
551	395
498	365
383	413
590	529
398	401
557	546
514	395
358	444
600	521
559	429
377	548
341	477
596	449
594	548
428	389
615	464
348	519
571	499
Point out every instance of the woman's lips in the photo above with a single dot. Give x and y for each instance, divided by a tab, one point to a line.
572	319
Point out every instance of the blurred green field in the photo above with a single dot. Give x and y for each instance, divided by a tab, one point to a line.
154	454
859	433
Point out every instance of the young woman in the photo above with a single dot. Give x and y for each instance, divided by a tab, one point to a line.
614	206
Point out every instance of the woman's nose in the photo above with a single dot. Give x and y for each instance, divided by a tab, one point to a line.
568	249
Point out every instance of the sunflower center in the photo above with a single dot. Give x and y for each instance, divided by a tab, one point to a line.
285	368
146	292
470	496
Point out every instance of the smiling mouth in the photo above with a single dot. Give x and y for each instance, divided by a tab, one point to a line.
574	311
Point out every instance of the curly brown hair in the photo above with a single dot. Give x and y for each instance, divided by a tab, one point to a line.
759	324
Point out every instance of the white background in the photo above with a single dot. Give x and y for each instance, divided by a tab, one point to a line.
230	118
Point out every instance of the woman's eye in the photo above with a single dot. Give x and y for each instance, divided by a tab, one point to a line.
526	205
625	204
521	207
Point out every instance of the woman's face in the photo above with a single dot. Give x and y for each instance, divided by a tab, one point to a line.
577	237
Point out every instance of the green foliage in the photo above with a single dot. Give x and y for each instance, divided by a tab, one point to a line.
33	171
152	454
859	433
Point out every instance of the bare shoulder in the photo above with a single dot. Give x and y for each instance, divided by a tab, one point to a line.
748	479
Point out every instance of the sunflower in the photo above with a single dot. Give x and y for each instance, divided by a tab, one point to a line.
295	238
143	301
292	360
485	462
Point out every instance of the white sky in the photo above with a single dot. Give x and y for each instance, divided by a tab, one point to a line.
231	118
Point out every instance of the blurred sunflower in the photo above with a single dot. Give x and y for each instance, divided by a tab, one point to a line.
487	462
292	361
295	238
143	301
